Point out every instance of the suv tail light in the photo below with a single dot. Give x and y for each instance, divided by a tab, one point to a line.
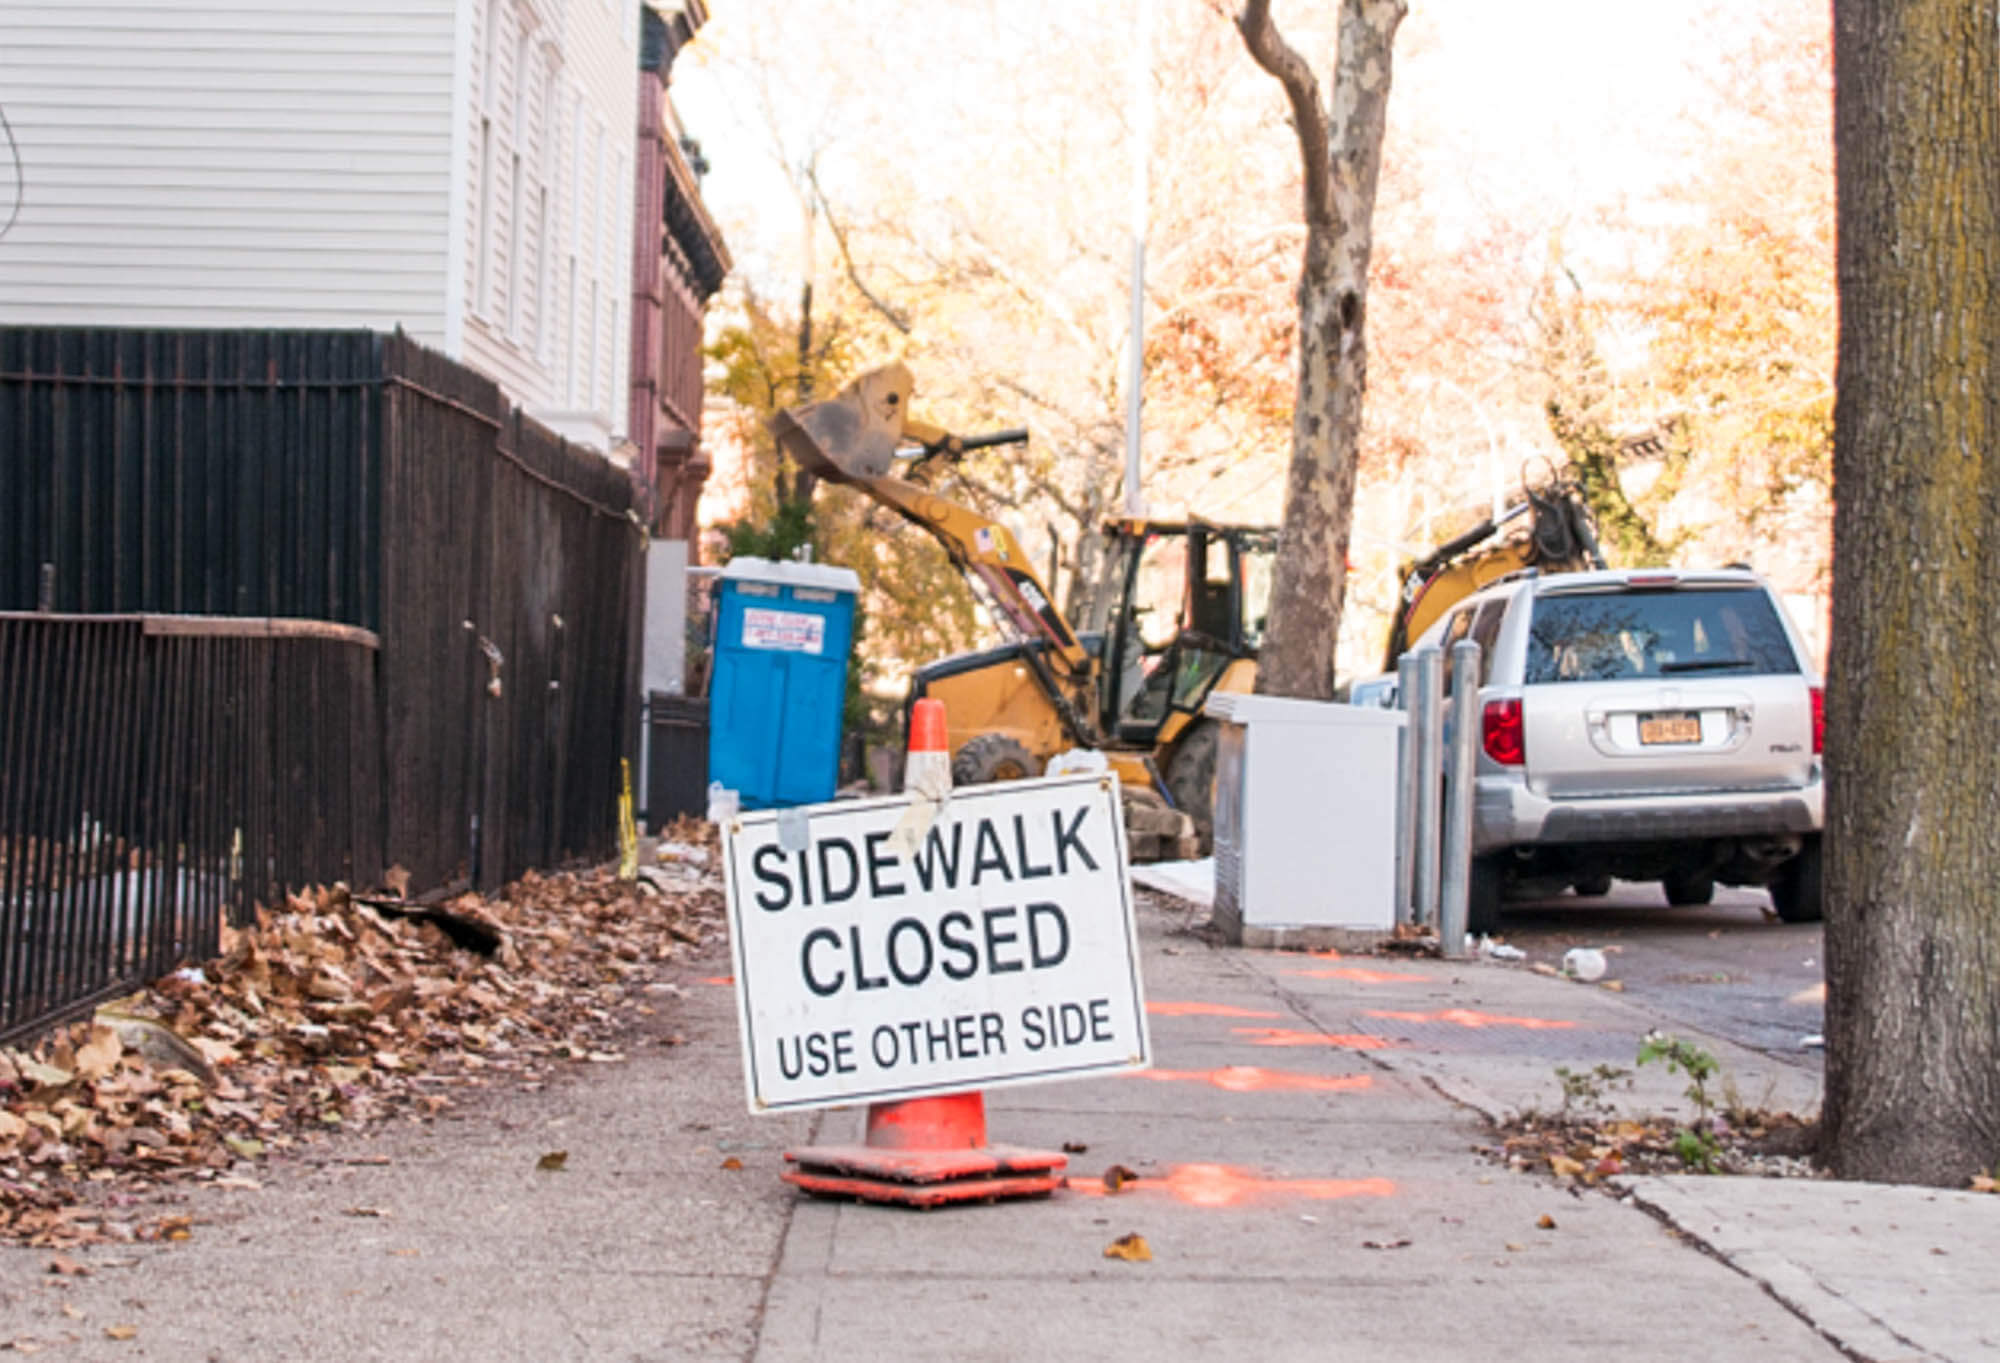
1502	732
1819	719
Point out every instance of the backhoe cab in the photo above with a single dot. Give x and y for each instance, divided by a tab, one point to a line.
1186	616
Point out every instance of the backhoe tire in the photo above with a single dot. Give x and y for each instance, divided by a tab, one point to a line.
1191	779
992	757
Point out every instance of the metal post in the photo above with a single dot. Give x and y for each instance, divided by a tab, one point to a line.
1406	786
1427	770
1460	767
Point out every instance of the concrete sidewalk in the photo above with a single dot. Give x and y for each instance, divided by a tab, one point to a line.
1309	1188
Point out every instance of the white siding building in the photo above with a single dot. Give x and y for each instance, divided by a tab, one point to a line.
462	169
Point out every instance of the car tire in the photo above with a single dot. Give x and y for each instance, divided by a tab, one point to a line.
1795	894
992	757
1483	885
1592	887
1191	779
1685	891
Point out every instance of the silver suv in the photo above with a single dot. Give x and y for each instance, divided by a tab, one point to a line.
1647	724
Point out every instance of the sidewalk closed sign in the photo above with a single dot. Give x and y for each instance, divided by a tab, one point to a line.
1001	951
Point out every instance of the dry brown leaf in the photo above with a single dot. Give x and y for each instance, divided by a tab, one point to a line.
1545	1221
1116	1177
553	1161
121	1332
325	1015
1131	1247
1985	1183
72	1310
99	1056
1385	1244
1562	1166
732	1163
67	1267
1074	1147
375	1212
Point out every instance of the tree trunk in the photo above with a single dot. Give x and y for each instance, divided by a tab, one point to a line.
1913	727
1342	157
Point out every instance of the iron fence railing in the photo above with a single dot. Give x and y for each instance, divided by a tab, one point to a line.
345	478
160	775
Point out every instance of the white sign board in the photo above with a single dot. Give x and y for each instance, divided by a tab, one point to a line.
1002	951
787	631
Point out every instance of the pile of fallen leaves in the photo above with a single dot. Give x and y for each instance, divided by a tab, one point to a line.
1588	1148
329	1014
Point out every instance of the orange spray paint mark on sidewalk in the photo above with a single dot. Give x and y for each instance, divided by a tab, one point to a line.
1279	1036
1465	1017
1355	972
728	980
1229	1185
1202	1010
1253	1079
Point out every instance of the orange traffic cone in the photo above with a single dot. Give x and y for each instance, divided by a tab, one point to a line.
926	1152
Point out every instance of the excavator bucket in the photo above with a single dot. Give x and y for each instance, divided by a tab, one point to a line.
855	432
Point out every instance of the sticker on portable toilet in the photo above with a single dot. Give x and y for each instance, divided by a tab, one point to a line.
1001	951
785	631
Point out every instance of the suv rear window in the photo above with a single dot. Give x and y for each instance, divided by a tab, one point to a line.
1693	632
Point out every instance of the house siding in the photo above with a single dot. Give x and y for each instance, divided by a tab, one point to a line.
554	85
213	163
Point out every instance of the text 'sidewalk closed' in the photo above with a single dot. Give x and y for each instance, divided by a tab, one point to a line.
1000	950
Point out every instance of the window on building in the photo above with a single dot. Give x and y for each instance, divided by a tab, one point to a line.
483	262
591	352
570	385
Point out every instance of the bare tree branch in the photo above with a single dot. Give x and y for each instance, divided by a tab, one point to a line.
1270	51
895	317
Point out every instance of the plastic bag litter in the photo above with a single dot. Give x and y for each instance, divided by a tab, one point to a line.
1074	761
724	804
1584	963
1496	951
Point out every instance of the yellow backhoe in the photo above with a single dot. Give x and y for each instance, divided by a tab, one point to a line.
1556	537
1186	618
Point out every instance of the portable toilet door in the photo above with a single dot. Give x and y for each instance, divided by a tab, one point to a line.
783	635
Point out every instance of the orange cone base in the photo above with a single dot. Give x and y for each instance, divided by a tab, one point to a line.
926	1152
925	1178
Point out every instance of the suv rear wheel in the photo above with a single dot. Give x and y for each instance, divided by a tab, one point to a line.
1687	890
1795	894
1592	887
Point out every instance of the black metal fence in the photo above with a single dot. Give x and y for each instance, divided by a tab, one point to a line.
158	774
349	479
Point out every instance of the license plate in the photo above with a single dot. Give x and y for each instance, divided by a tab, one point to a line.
1677	728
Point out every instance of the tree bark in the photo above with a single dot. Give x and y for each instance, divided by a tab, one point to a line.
1913	714
1341	152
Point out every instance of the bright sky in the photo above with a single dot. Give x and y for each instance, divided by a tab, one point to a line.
1544	107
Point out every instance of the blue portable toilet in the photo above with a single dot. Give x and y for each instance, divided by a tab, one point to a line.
782	636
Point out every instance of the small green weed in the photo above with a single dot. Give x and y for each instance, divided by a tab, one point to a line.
1684	1057
1695	1145
1589	1090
